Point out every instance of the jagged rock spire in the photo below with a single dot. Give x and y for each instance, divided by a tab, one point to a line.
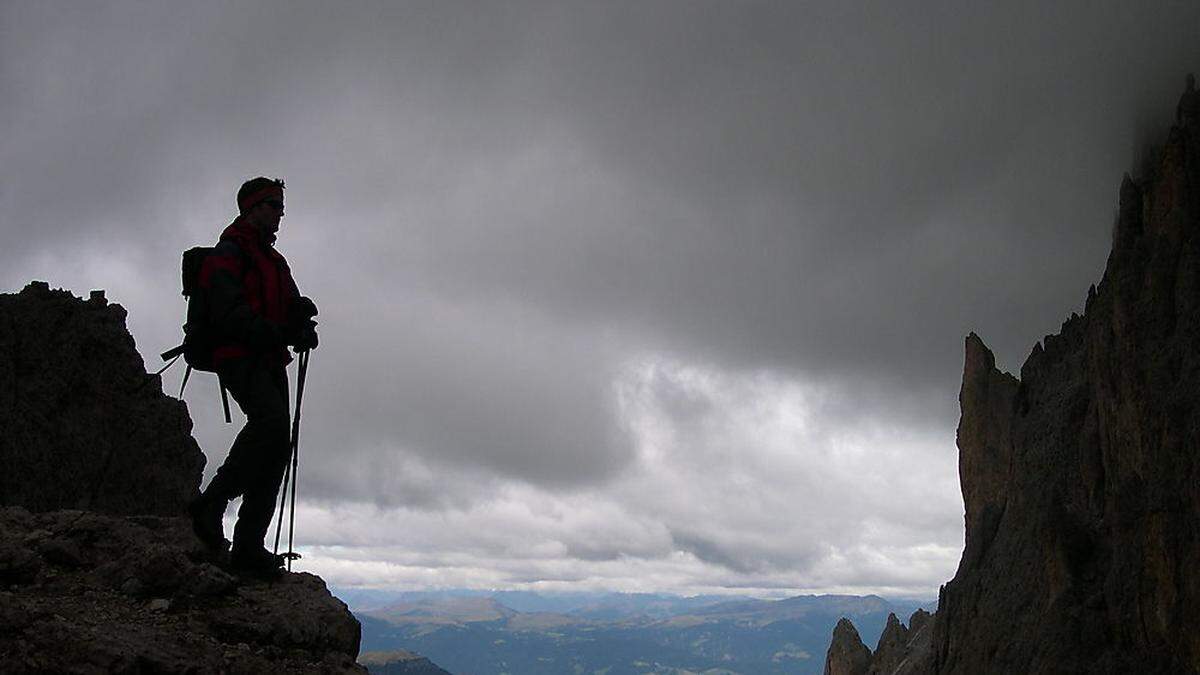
1079	480
847	654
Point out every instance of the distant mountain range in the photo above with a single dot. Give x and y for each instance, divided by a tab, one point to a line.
520	632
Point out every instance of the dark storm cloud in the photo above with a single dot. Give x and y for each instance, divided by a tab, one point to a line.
787	170
511	213
816	152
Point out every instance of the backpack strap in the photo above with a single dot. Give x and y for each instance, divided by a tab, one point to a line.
224	395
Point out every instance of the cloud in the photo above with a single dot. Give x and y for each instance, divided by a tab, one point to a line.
692	276
736	481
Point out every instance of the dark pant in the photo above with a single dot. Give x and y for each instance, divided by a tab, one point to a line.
259	456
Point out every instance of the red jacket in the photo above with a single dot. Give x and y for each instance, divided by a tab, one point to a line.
250	290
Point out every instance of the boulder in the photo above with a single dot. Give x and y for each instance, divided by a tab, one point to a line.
85	427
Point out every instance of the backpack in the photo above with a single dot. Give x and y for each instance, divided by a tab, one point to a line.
198	335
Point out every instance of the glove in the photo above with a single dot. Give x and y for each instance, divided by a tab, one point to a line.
299	331
301	310
306	339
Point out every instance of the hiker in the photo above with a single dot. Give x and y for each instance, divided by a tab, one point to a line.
1188	109
256	312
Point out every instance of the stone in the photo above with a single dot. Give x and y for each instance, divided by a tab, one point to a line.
18	564
60	552
13	615
85	427
1081	479
847	654
918	621
901	650
891	649
99	568
148	604
211	580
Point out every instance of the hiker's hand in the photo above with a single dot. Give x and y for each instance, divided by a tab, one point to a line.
307	338
302	309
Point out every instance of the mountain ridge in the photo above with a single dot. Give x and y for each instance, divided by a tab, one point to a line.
1081	478
740	636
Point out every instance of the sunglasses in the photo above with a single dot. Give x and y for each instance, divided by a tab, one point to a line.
274	203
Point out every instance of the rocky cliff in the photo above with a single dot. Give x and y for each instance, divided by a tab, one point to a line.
901	649
83	425
847	654
99	571
1081	479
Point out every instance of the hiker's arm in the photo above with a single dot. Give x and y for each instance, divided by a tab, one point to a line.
230	311
301	330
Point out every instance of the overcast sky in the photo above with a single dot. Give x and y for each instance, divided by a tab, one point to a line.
646	296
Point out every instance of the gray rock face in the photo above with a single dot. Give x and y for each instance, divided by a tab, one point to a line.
891	649
901	650
918	653
847	654
918	621
1082	479
99	571
93	593
82	426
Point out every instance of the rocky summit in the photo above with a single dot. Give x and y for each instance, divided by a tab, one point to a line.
83	425
99	569
901	649
847	653
1081	478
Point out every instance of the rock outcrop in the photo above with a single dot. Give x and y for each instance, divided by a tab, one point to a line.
82	426
1081	479
900	648
99	569
91	593
891	649
847	654
399	662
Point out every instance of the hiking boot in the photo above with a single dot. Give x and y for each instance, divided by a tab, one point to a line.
257	562
206	516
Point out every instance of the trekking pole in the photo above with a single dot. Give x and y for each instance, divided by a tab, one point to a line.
296	452
289	472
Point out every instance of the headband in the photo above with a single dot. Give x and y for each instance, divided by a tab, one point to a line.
251	200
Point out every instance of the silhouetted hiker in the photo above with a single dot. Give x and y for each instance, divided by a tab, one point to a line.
1188	109
257	311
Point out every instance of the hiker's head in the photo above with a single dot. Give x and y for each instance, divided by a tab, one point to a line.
260	201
